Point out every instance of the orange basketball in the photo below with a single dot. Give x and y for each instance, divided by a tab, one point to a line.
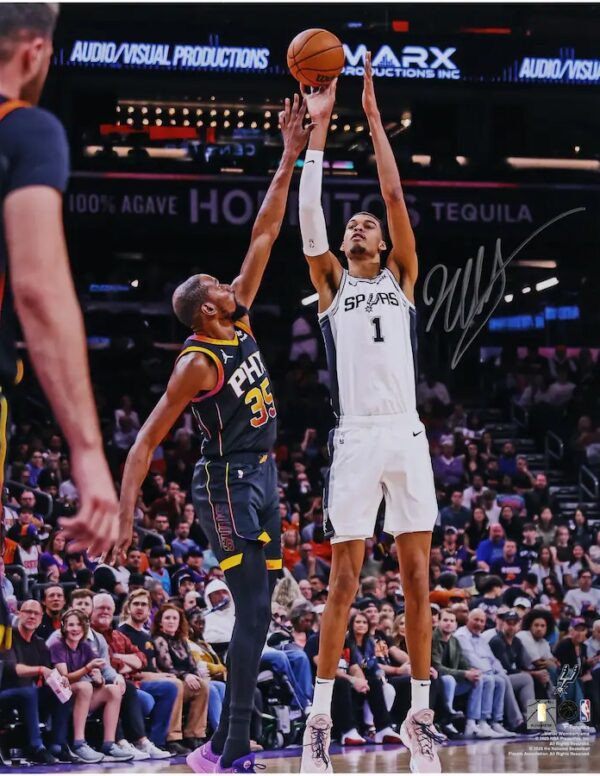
315	57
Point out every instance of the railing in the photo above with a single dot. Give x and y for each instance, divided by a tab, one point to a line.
18	577
554	448
519	415
43	502
589	485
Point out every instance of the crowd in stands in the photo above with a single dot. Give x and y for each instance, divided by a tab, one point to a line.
137	650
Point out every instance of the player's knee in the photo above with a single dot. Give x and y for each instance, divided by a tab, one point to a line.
263	615
416	579
343	588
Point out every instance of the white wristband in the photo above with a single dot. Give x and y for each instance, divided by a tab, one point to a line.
312	219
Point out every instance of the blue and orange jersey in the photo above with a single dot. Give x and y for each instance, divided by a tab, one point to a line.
238	415
33	152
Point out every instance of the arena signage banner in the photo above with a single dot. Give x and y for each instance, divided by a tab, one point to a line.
165	55
544	69
195	203
458	60
409	62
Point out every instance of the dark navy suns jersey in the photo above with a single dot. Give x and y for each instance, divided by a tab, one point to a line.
239	414
33	152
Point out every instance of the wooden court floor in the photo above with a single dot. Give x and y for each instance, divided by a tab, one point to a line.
550	754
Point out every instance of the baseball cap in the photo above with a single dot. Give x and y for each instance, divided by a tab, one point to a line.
524	602
578	621
511	616
435	607
364	603
46	478
450	529
184	578
300	609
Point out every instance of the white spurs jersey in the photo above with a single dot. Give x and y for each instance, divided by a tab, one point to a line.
371	345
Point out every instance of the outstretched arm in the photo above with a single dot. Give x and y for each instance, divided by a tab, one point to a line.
270	216
53	328
325	269
402	259
193	373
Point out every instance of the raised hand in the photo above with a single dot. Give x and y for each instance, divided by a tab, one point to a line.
291	121
369	101
320	102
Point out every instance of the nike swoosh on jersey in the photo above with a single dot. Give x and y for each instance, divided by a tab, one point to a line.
417	433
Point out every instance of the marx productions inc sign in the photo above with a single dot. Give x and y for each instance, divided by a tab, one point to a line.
433	60
197	204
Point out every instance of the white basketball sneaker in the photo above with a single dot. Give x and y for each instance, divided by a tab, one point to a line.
420	737
315	745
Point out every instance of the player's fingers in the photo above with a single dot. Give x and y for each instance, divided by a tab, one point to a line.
102	539
301	114
114	527
78	544
281	119
295	105
73	527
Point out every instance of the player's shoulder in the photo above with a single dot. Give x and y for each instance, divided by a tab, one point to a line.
243	326
195	357
33	150
33	124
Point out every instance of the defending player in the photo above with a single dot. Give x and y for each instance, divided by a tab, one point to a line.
35	278
221	372
379	447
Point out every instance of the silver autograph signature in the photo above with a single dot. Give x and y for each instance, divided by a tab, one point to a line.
465	318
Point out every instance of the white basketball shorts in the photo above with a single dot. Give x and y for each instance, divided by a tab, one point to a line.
375	457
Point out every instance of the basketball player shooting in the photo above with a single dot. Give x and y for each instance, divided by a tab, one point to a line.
221	372
379	447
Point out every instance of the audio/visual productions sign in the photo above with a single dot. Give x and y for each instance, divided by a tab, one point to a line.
561	70
165	55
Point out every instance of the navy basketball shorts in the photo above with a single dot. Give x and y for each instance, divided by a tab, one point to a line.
236	500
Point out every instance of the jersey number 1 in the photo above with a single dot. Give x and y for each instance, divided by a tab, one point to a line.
377	336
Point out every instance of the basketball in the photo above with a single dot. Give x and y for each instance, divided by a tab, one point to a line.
315	57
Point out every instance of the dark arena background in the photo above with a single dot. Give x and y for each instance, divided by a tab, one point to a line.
493	113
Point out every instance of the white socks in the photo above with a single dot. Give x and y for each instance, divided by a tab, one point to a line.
419	690
322	697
